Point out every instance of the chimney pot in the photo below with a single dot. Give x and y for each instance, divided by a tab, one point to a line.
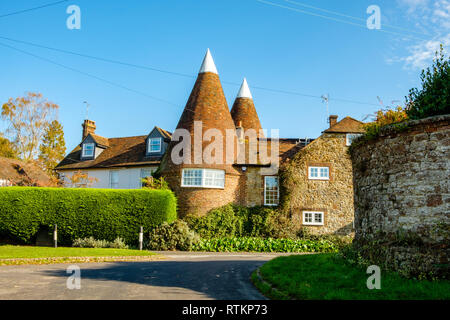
333	120
88	127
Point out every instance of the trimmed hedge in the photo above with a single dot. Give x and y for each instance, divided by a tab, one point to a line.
80	213
249	244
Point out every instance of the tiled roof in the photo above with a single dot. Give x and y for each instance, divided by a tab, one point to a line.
207	104
121	152
102	141
244	112
166	134
346	125
287	149
23	173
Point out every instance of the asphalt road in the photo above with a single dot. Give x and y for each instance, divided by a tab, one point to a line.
180	276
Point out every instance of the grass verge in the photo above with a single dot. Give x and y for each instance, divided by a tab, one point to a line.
16	255
328	277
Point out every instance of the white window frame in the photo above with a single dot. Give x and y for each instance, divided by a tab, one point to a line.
84	150
349	137
149	146
278	192
313	222
319	177
203	178
110	179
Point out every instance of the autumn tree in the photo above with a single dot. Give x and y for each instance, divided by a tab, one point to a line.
27	119
79	179
7	148
53	147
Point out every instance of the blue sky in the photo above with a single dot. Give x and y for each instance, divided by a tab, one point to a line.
274	47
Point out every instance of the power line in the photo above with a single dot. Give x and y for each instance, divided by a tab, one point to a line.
87	74
351	17
177	73
32	9
338	20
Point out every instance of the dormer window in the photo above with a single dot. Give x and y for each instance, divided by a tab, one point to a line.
154	145
88	150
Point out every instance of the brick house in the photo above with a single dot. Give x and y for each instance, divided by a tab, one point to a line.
243	170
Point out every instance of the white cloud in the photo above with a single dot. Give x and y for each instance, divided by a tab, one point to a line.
434	17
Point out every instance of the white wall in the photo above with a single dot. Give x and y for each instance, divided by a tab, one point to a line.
129	178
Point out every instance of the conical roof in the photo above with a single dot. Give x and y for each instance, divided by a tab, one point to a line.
207	104
244	112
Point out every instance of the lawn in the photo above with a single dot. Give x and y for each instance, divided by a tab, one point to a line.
328	277
17	252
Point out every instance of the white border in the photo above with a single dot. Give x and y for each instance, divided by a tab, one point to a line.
313	223
203	186
83	154
318	178
278	191
149	143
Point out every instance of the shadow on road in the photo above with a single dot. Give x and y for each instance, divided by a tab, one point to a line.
227	279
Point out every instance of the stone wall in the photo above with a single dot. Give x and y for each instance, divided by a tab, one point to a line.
402	200
334	197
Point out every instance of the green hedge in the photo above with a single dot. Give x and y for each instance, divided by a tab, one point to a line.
264	245
79	213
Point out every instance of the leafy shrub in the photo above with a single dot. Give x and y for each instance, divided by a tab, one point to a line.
251	244
174	236
90	242
237	221
155	183
383	119
434	97
81	213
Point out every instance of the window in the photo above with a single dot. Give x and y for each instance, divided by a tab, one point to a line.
271	191
319	173
313	218
203	178
114	179
154	145
350	137
88	149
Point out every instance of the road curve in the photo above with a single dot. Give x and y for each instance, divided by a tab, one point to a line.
179	276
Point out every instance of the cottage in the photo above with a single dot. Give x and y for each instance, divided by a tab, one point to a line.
246	165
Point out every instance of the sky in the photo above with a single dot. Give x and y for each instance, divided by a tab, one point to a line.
291	52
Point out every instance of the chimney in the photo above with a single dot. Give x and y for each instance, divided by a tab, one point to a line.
333	120
88	127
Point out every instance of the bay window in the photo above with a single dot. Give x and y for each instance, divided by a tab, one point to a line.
203	178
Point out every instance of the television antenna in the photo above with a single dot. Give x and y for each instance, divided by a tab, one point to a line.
326	99
87	109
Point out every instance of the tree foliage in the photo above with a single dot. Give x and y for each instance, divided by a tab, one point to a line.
434	97
27	119
53	147
7	148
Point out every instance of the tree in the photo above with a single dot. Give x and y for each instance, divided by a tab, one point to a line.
7	148
27	119
434	97
53	147
79	179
